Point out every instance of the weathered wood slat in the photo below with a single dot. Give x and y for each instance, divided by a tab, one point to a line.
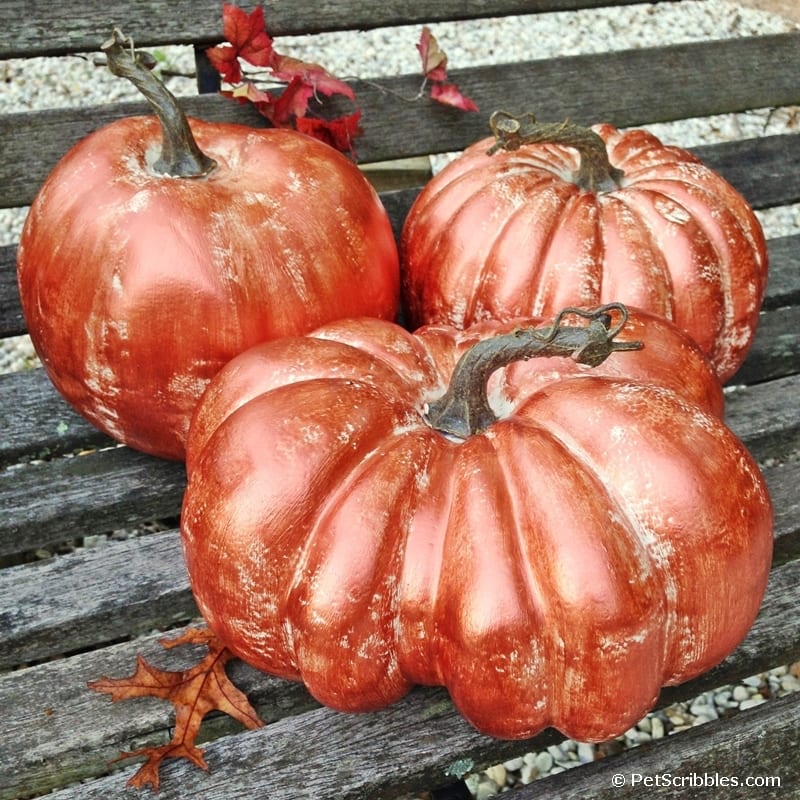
11	321
764	416
84	731
754	165
784	272
78	27
100	492
776	348
36	421
98	596
92	597
626	88
331	750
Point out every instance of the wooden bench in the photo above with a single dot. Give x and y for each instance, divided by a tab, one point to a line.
71	618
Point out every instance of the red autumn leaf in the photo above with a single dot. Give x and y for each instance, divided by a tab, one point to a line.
450	95
193	692
434	60
293	103
248	34
248	92
225	60
246	38
338	133
318	78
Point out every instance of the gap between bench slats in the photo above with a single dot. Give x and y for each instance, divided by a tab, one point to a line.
74	732
626	88
67	28
117	488
99	595
410	745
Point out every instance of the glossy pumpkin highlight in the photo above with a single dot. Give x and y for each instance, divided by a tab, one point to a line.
557	568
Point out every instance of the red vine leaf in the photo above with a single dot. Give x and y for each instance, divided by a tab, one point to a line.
246	37
434	67
291	105
225	60
193	692
316	77
338	133
248	40
434	60
450	95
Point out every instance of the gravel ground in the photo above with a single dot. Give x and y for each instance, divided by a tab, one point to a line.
49	83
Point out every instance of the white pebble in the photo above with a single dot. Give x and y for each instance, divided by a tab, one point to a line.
656	728
789	683
586	752
514	764
556	752
741	693
544	762
486	789
704	710
755	700
497	774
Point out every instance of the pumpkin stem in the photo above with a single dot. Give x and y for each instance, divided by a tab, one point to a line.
595	173
180	155
464	409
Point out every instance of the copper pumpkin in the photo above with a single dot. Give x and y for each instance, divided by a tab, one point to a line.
556	564
545	215
147	261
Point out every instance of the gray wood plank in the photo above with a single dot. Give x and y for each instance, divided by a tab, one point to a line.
37	423
753	165
783	288
72	733
765	416
625	88
92	597
776	347
90	494
78	27
11	320
411	745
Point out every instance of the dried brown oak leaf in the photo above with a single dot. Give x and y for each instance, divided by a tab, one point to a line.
193	692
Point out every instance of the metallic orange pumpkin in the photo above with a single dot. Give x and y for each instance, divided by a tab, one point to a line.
566	215
558	566
138	285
